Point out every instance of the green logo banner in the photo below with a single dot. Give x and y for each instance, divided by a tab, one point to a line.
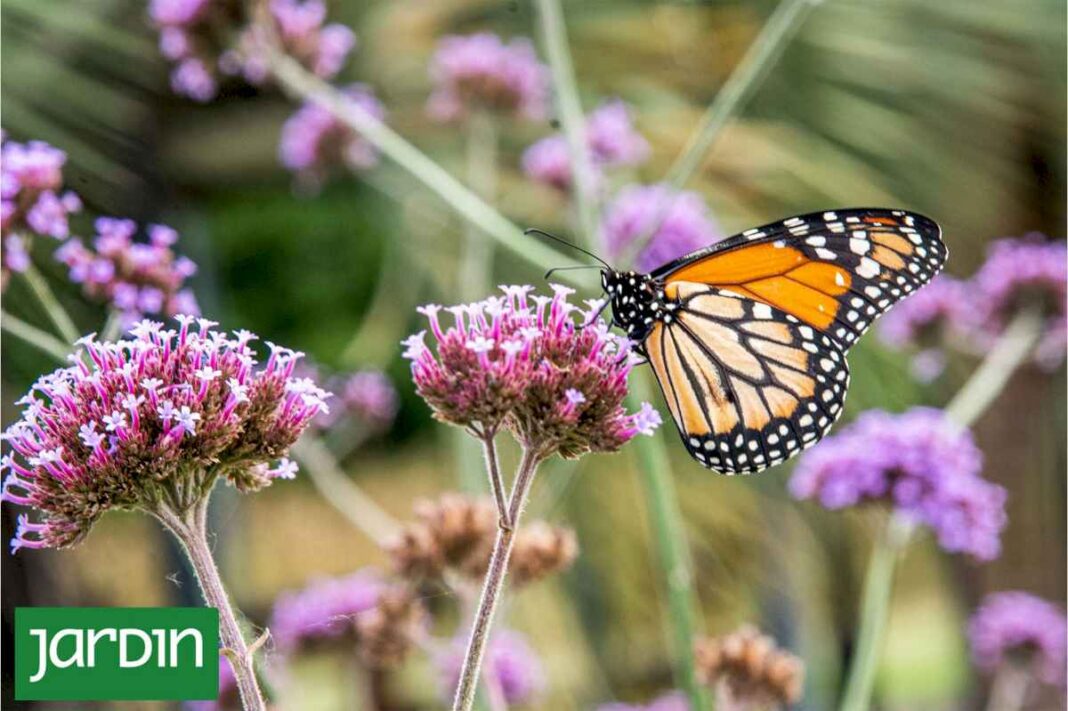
116	653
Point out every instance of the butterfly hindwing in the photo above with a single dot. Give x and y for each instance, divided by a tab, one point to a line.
748	385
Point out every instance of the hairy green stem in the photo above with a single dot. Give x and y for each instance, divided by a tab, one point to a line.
554	37
305	86
56	313
41	340
989	379
673	552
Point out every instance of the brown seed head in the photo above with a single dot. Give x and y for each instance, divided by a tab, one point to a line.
541	550
750	668
388	632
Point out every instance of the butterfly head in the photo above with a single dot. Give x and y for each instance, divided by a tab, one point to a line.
634	301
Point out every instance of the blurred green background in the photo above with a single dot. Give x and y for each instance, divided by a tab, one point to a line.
955	109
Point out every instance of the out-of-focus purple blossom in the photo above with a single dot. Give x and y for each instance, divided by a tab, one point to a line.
136	278
518	361
164	410
943	308
612	142
510	663
923	464
481	71
370	396
324	611
14	257
192	78
32	200
313	140
672	222
1021	273
672	701
228	697
1017	627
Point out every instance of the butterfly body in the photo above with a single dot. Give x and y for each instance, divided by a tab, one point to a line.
748	338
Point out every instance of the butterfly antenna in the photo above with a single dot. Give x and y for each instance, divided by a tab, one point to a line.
569	269
561	240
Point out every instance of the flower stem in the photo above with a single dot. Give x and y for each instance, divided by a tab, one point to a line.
112	327
554	37
34	336
1010	687
349	499
52	307
672	552
755	65
494	584
190	528
493	469
989	379
303	85
874	608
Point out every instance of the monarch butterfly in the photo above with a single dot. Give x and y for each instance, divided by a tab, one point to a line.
748	337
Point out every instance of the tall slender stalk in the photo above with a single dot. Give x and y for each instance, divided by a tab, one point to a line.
494	584
41	340
673	552
189	526
989	379
56	313
554	36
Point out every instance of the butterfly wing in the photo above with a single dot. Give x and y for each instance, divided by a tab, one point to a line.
836	271
751	357
748	385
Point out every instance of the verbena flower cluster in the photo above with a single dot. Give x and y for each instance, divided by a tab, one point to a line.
749	665
1018	273
324	611
136	278
147	419
32	199
1019	628
482	72
921	463
520	361
206	38
671	223
612	140
370	397
510	664
313	140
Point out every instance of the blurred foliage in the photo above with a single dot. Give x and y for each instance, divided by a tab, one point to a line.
956	109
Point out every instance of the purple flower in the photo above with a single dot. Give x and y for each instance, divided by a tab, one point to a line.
943	308
1019	627
920	462
370	396
509	662
136	278
130	421
313	140
672	701
325	610
193	79
519	361
323	49
1027	272
31	178
612	142
480	71
674	223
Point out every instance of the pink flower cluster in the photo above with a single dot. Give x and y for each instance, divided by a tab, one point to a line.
510	663
480	71
206	37
921	463
520	361
313	139
1017	626
136	278
1030	272
325	610
613	142
135	423
32	200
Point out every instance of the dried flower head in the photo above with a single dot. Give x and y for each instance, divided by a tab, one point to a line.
324	612
151	422
313	140
1019	628
32	200
920	462
521	362
1026	273
455	533
612	141
481	72
751	669
510	664
136	278
392	628
672	223
671	701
